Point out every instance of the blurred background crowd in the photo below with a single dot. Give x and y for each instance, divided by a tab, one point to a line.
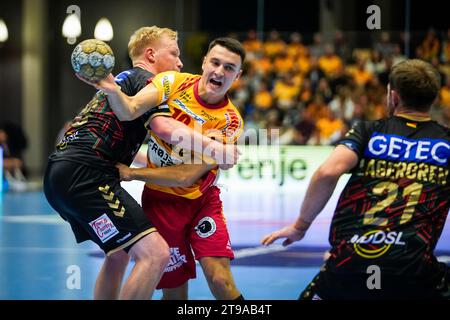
312	68
312	92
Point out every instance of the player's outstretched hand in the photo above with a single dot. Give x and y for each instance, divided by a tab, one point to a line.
107	85
291	234
124	171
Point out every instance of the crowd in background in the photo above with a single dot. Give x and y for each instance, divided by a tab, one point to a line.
313	92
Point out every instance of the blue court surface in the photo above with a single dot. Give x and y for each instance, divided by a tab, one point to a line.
38	253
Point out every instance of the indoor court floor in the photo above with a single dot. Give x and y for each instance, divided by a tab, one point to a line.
38	252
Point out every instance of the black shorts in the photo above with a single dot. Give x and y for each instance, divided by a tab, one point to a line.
329	286
95	205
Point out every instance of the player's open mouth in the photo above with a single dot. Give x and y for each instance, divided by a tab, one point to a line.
216	83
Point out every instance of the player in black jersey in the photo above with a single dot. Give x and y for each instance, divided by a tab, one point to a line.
392	211
82	183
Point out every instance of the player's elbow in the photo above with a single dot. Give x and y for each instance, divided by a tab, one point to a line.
329	173
186	182
162	128
124	116
186	179
129	114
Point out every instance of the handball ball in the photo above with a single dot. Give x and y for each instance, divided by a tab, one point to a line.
92	60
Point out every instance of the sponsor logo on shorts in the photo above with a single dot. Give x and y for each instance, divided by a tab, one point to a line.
376	243
124	238
176	260
104	228
205	227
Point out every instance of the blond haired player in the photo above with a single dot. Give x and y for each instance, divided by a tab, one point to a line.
82	183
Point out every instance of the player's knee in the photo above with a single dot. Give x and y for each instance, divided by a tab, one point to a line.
222	283
120	257
163	255
160	253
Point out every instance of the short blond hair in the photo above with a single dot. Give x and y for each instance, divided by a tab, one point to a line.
145	36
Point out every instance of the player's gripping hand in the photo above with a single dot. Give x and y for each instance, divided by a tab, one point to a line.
291	233
107	85
226	156
124	171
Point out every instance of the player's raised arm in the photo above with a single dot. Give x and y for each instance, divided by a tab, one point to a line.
125	107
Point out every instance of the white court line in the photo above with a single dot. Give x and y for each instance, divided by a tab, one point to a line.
48	250
39	219
249	252
444	259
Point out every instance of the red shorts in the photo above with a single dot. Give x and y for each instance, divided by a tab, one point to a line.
190	226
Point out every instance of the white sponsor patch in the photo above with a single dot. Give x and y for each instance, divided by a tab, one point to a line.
192	114
167	82
176	260
104	228
158	155
205	227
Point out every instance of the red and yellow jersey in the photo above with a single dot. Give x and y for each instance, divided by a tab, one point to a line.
179	92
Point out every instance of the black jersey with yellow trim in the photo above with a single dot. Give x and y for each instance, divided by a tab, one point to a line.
96	137
393	209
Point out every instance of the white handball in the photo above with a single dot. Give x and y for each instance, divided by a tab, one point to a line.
92	60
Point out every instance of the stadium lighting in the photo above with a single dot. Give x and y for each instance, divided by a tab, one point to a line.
104	30
3	31
71	28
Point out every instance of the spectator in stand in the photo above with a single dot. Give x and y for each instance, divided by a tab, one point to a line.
324	90
317	49
342	105
304	129
444	93
303	63
361	76
341	46
330	63
330	129
430	45
295	47
315	73
445	48
252	45
283	62
263	99
385	46
13	142
285	91
274	44
376	64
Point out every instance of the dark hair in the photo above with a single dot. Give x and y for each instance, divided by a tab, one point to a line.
417	83
231	44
